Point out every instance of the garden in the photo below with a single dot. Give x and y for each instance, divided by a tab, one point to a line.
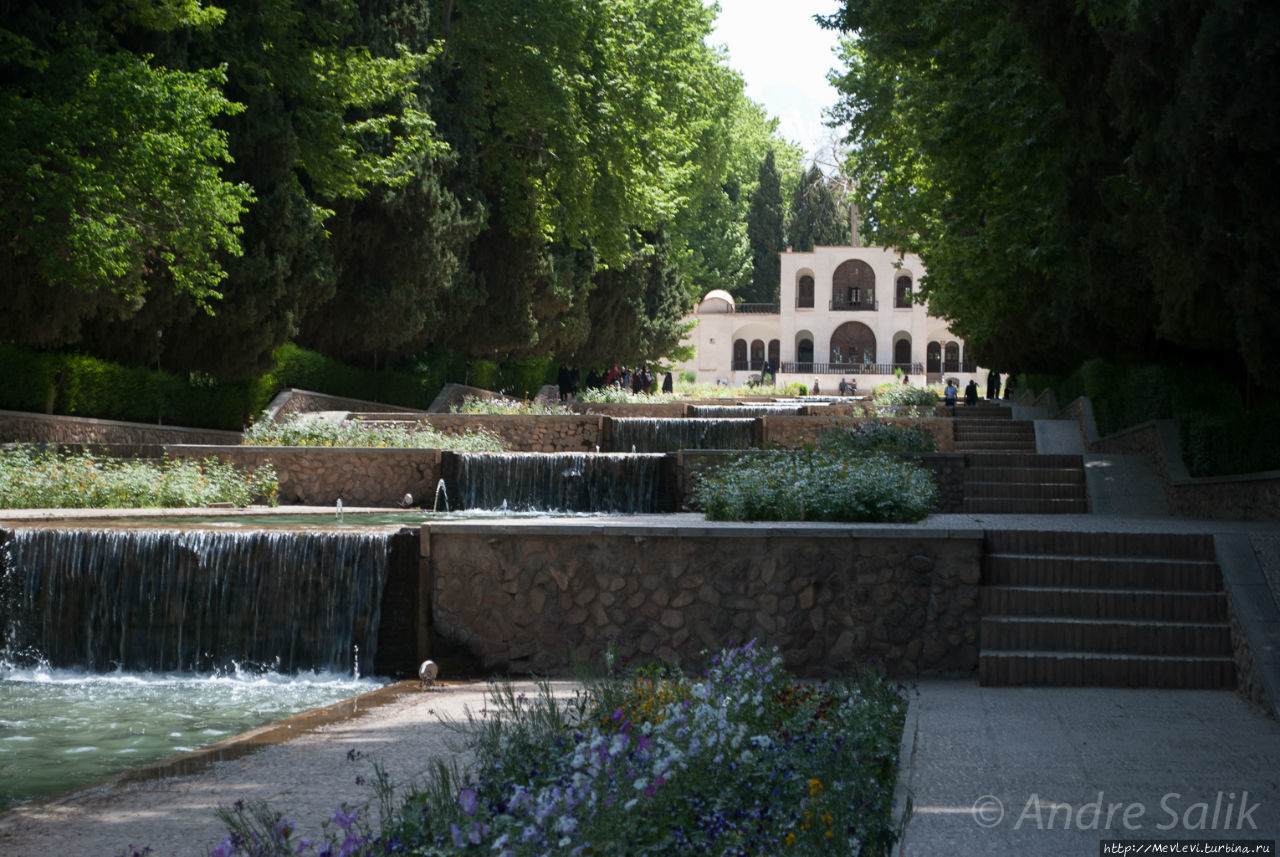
742	759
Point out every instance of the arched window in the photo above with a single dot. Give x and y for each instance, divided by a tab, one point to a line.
902	298
933	358
757	355
740	355
953	357
853	343
853	286
902	352
804	292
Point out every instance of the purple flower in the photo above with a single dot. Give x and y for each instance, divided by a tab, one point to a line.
478	831
345	820
455	833
468	801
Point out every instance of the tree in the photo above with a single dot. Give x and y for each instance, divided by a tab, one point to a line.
764	232
819	215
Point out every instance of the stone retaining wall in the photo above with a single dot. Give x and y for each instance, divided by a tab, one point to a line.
534	598
320	476
528	433
22	427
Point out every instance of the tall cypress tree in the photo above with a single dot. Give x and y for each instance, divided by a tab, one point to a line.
764	233
818	213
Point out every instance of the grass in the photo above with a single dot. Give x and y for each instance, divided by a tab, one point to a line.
32	479
742	759
358	433
816	485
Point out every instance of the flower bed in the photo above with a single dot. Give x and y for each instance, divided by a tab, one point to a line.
741	760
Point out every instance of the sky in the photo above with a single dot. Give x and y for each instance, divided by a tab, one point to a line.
784	56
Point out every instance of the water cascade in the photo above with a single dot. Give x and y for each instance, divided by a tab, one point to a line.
167	600
567	482
756	409
669	435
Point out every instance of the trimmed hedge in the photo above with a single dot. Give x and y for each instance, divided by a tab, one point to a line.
1218	436
81	385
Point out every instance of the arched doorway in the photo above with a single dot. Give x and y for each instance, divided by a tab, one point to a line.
933	358
804	292
757	355
775	353
853	286
902	352
853	342
804	355
739	355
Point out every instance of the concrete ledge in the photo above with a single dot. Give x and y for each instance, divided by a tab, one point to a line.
1254	607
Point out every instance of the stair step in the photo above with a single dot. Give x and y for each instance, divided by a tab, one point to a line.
1042	475
991	445
1100	572
1204	639
1022	459
1103	669
982	412
1103	603
1030	490
1164	545
1023	506
1003	428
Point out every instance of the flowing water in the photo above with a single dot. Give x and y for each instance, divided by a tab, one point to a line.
62	729
560	482
756	409
668	435
123	646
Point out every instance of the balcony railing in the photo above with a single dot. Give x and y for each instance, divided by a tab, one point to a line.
851	368
760	309
868	305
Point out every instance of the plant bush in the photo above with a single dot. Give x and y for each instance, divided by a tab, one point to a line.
296	431
879	436
503	405
816	485
32	479
740	760
616	395
795	388
899	398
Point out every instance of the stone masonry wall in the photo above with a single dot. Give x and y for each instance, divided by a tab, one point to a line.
527	599
21	427
319	476
528	433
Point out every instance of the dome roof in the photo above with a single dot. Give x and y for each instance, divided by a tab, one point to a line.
707	304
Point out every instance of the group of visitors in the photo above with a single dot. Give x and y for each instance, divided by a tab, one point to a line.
950	394
640	379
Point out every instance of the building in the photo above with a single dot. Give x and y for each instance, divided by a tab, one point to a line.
844	312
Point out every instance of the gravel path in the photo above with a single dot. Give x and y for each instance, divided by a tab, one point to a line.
307	778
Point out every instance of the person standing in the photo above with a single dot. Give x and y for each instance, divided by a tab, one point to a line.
949	396
817	391
971	394
993	385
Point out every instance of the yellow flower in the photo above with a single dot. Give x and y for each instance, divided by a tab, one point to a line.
815	787
790	839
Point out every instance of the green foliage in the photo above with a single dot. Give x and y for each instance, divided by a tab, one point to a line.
819	212
1069	173
618	395
31	479
301	431
796	388
765	221
688	376
897	397
501	405
879	436
816	485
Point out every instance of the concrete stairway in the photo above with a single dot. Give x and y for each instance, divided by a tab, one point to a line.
1024	483
992	428
1130	610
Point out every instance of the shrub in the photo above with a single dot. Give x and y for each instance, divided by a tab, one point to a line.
297	431
902	398
795	388
615	395
688	376
503	405
879	436
30	479
816	485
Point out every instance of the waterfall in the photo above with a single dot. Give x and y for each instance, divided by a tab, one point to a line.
668	435
758	409
567	482
191	600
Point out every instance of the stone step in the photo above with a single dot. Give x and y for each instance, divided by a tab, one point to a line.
995	446
1202	639
1103	669
1022	459
1002	428
1094	544
1006	569
1023	506
1024	475
980	412
1024	490
1104	603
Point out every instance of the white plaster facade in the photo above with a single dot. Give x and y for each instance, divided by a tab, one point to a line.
844	312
